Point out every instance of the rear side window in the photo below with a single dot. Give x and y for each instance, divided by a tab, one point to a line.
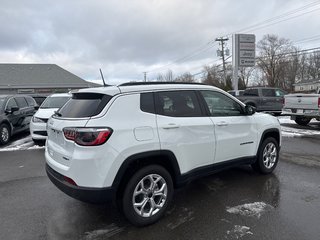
31	101
84	105
251	92
178	104
22	103
147	102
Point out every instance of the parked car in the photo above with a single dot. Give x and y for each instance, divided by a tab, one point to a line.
264	99
16	112
135	143
39	98
236	93
38	125
302	107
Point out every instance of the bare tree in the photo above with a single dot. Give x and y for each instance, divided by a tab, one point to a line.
273	52
186	77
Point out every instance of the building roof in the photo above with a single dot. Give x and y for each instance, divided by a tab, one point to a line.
39	76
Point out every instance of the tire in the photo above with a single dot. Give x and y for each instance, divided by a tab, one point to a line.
5	133
140	184
267	157
303	121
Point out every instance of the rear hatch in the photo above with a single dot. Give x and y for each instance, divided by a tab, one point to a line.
302	101
74	114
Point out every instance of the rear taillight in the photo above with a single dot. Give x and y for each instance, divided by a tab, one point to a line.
88	136
319	102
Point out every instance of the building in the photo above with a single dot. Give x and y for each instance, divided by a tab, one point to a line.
307	86
38	79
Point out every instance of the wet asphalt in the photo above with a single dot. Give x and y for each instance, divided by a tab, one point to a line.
31	207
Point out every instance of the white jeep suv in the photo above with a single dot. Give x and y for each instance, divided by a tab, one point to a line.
136	142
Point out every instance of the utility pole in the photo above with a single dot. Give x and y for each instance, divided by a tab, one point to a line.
145	76
221	41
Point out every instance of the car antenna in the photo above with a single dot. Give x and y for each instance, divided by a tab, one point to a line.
104	83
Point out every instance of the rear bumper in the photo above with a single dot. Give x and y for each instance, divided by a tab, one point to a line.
85	194
301	113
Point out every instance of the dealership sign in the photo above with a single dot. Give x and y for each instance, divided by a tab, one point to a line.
244	49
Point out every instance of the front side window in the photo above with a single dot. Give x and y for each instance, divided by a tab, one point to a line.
178	104
11	103
221	105
268	92
84	105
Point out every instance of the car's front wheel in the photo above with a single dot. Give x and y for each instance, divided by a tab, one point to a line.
4	133
147	195
267	157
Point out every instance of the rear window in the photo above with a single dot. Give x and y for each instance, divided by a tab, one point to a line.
54	102
84	105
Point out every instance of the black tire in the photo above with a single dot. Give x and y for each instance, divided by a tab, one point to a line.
267	161
142	175
5	133
303	121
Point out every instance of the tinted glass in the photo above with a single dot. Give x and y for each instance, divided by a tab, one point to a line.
147	102
221	105
84	105
31	102
251	92
268	92
22	103
2	102
178	104
11	103
54	102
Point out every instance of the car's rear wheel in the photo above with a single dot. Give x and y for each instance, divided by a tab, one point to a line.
4	133
147	195
303	121
268	156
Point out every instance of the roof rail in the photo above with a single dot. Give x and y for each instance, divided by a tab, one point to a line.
156	83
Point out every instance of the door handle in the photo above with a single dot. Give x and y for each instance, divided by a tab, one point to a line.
171	126
222	124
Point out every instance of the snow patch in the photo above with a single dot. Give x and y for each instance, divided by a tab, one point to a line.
255	209
239	232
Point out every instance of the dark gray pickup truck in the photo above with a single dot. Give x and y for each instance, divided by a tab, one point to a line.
264	99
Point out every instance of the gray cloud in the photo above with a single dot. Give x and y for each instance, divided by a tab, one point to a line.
129	37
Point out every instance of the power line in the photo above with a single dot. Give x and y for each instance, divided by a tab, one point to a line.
253	27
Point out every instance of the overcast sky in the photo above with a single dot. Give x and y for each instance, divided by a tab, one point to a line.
126	38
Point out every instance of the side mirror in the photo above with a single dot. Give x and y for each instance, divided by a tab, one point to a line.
12	110
36	107
249	110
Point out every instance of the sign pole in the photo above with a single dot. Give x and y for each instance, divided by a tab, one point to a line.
235	62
